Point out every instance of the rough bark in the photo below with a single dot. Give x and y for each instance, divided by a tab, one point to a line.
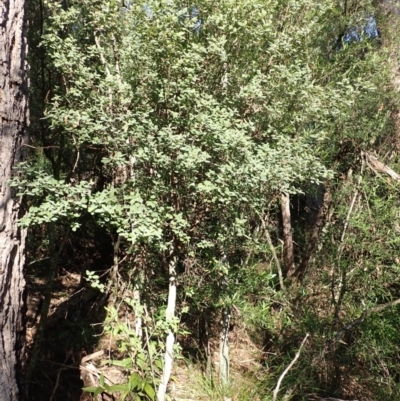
13	123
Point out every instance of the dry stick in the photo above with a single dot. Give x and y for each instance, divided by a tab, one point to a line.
376	165
56	385
287	235
102	58
77	156
57	382
104	62
296	357
278	265
340	249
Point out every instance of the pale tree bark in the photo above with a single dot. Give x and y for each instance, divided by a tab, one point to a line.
170	341
224	362
13	123
287	236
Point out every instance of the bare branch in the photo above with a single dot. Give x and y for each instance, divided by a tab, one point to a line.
364	315
296	357
376	165
278	265
275	256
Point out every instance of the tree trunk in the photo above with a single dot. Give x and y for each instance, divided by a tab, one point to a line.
224	347
13	123
313	240
170	341
287	235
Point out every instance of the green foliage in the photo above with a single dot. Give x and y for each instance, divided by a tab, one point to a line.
94	280
178	130
156	106
137	387
141	359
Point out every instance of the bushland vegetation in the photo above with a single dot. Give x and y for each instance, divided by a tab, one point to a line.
211	192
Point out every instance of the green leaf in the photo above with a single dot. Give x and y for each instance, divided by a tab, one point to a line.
134	381
148	389
118	387
90	389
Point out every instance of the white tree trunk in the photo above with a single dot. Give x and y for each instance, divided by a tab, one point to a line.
224	347
169	343
287	235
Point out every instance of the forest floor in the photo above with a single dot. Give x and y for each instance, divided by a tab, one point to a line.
70	332
73	331
73	338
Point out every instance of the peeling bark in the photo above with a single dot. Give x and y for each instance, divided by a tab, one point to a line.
13	123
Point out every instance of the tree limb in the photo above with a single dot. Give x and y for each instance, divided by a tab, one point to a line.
364	315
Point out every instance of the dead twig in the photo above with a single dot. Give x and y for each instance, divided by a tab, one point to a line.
296	357
57	382
341	288
95	355
376	165
271	245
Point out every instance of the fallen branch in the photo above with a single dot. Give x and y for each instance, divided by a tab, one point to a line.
296	357
95	355
375	165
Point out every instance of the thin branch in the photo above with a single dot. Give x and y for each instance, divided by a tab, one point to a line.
341	286
278	265
102	58
77	156
353	201
57	382
376	165
296	357
149	351
364	315
40	147
95	355
170	340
